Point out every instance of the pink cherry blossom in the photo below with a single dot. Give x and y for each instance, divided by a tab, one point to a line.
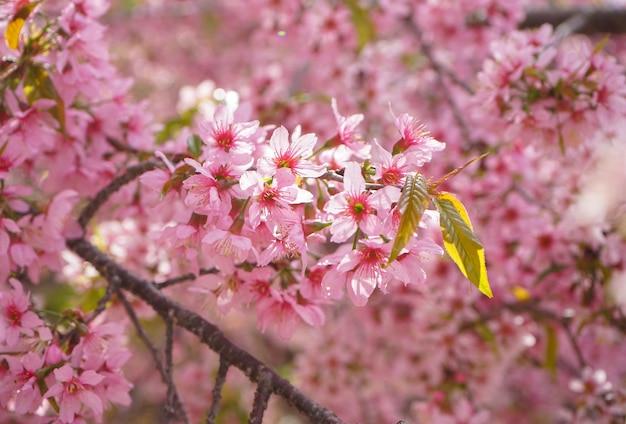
74	391
269	198
355	207
416	139
225	136
361	271
293	154
15	317
20	384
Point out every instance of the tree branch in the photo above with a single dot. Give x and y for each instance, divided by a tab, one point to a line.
220	379
206	332
596	20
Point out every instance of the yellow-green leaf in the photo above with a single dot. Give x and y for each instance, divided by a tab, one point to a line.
552	349
38	85
460	241
12	32
411	205
601	44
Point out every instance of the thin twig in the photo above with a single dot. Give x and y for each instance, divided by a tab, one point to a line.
103	195
185	277
261	398
151	347
114	282
441	71
220	379
334	176
169	408
206	332
597	20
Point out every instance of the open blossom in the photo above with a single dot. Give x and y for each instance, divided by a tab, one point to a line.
356	208
416	141
361	271
288	240
347	134
271	197
285	309
227	244
224	136
292	154
391	169
20	383
73	391
210	191
15	318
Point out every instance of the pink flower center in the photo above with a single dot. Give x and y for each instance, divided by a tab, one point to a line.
286	161
358	206
13	315
372	256
269	194
224	138
392	176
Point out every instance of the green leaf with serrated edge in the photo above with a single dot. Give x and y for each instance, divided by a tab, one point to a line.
363	24
460	241
411	205
13	29
552	350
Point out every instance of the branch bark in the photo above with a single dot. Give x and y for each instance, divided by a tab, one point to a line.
596	20
206	332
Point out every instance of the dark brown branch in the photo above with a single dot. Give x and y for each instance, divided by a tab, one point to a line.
261	398
220	379
185	277
169	409
151	347
206	332
596	20
102	303
118	182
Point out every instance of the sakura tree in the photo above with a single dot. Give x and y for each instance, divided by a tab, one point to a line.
333	211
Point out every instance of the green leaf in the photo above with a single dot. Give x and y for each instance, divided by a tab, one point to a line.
412	204
12	32
552	349
38	85
365	28
194	145
460	241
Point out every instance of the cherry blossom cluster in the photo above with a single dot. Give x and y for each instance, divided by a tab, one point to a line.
278	222
552	91
71	369
261	207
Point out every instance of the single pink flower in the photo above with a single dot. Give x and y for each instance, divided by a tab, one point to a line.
73	391
285	309
292	155
20	384
228	245
347	134
356	208
224	135
361	271
271	197
416	141
15	318
209	192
